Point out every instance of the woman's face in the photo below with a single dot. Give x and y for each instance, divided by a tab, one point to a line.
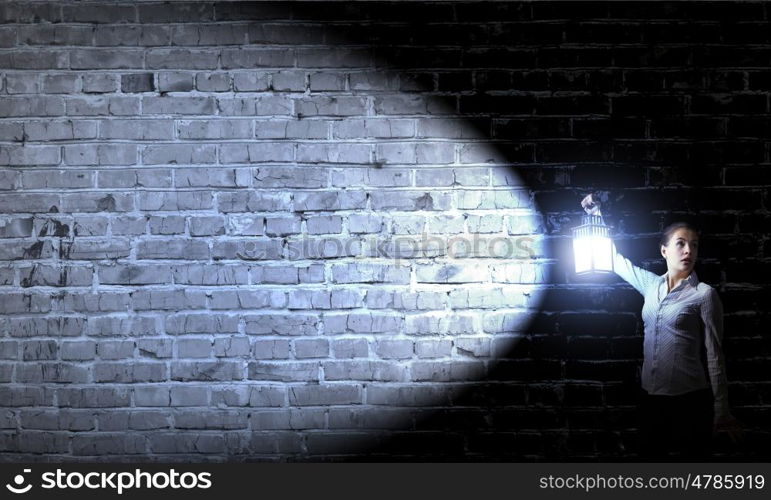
681	251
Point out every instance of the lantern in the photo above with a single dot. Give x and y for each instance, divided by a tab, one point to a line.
592	246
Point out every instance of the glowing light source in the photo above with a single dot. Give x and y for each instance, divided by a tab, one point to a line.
592	246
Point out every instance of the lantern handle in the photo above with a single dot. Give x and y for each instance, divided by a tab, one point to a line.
591	206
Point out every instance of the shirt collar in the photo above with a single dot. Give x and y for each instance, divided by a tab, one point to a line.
692	280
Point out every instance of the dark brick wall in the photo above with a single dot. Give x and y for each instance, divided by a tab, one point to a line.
265	231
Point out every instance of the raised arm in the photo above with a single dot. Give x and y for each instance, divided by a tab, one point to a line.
641	279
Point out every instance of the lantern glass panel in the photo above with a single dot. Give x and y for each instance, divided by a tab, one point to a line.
592	246
602	253
582	252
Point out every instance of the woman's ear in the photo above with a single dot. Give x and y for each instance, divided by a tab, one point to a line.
663	251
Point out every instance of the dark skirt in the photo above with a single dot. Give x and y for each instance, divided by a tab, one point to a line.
676	427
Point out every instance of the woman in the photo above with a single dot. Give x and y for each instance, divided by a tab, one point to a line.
684	384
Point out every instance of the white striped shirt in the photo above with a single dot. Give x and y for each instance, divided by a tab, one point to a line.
683	329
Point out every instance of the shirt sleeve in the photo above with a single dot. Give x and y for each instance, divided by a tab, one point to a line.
712	317
641	279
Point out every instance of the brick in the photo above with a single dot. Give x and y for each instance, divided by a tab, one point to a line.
168	299
286	129
329	106
410	200
97	202
137	82
281	324
16	228
173	249
380	371
447	371
395	349
311	348
131	36
105	59
61	179
208	34
201	323
194	348
60	84
327	81
288	81
248	299
30	155
126	326
175	201
152	348
48	34
101	154
136	129
146	420
134	274
251	81
220	129
181	59
282	226
247	250
115	349
256	153
175	81
129	373
324	224
186	443
167	105
39	350
178	154
430	323
341	200
210	274
433	348
12	131
273	105
350	348
365	223
32	106
102	106
219	370
93	397
325	395
370	273
213	82
42	275
26	396
270	349
256	58
43	442
283	371
377	177
65	326
207	226
57	420
231	347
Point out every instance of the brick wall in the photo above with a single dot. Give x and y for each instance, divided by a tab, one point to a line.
264	231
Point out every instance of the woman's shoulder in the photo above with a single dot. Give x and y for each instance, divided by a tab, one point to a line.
707	292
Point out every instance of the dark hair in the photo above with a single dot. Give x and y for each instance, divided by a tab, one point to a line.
666	235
